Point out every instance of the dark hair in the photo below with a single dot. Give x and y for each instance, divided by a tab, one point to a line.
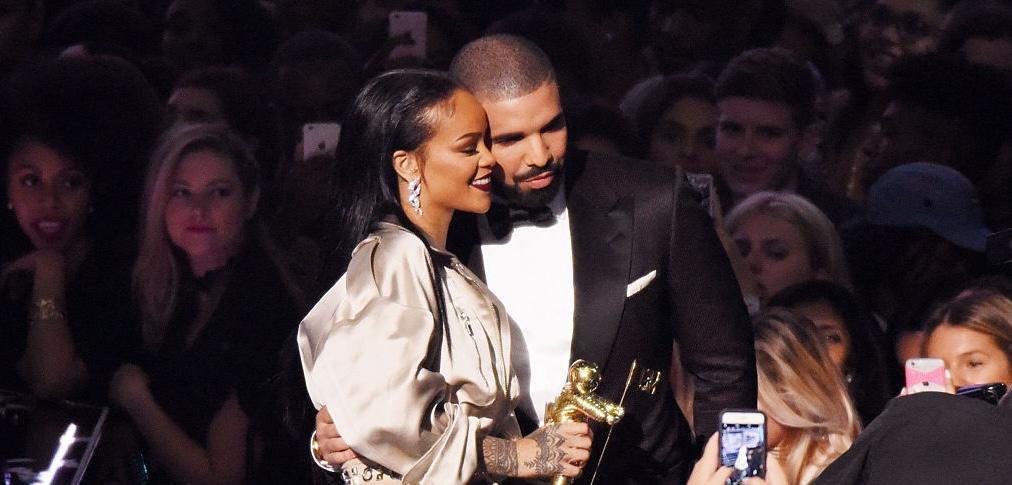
669	91
246	110
866	367
775	75
981	309
394	111
99	112
502	66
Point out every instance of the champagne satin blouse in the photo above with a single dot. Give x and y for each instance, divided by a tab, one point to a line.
365	354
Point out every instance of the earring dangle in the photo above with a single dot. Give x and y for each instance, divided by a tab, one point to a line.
415	195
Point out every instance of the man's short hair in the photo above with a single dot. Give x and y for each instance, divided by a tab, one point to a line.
771	74
498	67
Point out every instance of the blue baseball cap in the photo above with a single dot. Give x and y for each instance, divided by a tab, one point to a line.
932	196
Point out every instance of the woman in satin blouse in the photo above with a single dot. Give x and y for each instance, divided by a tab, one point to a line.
417	362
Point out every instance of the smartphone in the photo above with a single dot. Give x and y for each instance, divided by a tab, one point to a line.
743	444
925	375
414	24
320	139
990	393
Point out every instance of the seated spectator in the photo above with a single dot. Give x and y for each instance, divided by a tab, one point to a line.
678	118
944	110
886	31
855	342
230	95
316	75
215	307
925	228
785	240
767	117
74	125
810	418
973	335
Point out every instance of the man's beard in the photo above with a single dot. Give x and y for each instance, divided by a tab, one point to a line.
534	197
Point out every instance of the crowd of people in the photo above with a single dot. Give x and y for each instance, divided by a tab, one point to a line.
764	204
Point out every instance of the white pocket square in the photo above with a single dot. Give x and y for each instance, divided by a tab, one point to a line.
640	283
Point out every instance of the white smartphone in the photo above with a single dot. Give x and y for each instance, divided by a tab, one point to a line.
320	139
925	375
415	25
743	444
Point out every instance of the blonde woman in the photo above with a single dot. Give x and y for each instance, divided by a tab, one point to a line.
810	418
215	308
785	240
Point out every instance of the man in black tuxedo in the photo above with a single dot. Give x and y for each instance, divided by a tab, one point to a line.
605	259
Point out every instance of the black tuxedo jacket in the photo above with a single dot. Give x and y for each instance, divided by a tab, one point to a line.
628	218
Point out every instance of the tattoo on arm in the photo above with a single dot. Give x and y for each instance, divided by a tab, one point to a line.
500	457
548	459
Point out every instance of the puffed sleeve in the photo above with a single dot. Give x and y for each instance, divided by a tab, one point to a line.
364	350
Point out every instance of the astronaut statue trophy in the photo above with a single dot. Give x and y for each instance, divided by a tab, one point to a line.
578	403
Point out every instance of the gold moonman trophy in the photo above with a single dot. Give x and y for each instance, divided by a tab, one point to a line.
578	403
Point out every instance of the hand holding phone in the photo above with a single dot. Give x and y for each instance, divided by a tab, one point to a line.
320	139
925	374
743	444
412	24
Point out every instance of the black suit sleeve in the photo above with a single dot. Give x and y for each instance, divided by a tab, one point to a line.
711	323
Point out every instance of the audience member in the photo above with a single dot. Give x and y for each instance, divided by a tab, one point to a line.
785	240
972	333
886	31
944	110
853	338
230	95
215	307
316	74
199	33
925	227
73	129
766	102
810	419
677	118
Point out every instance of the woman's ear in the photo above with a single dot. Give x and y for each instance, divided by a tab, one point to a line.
406	164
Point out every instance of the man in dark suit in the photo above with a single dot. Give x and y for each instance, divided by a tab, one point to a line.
606	259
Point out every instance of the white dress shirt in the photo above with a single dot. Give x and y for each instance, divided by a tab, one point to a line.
531	271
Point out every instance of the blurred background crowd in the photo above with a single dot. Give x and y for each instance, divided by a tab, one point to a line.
855	155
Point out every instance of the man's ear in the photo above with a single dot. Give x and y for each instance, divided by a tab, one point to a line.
406	164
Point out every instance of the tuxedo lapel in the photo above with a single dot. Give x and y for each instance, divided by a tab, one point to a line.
601	225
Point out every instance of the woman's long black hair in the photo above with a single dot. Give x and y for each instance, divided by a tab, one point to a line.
394	111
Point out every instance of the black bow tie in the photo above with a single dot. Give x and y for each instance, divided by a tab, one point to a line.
503	218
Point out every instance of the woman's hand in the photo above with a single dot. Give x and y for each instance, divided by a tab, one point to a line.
129	385
48	267
709	472
333	449
554	449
